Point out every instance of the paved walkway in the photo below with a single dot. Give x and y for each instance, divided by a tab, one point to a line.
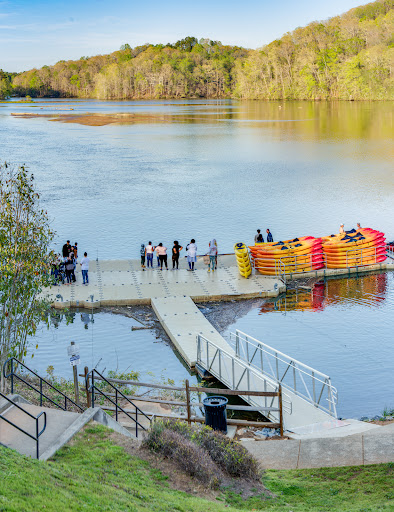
372	447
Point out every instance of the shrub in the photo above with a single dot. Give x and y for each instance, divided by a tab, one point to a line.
190	457
226	454
229	455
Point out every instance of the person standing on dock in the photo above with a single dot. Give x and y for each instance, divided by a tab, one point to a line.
213	254
149	254
358	225
175	254
66	250
143	254
270	238
191	254
85	268
161	252
257	235
342	228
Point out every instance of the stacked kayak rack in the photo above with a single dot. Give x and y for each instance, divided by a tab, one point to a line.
353	248
297	255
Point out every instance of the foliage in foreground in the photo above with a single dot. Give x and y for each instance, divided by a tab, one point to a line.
95	474
25	260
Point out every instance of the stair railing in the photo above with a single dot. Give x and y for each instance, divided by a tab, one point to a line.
36	418
13	363
93	388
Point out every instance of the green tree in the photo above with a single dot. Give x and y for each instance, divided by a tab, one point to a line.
25	260
5	85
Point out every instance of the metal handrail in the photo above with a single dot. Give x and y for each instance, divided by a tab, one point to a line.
282	266
93	387
254	347
246	372
36	418
12	374
360	257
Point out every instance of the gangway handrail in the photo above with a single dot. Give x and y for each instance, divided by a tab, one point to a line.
298	368
281	353
234	382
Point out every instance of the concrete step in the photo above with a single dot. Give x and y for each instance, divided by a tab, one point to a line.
60	428
57	422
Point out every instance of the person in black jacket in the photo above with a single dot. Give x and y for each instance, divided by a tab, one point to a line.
66	250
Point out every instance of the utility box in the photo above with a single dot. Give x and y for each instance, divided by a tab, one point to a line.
215	412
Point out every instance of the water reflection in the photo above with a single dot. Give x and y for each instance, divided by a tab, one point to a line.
369	290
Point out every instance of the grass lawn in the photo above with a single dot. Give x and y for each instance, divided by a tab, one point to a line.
94	474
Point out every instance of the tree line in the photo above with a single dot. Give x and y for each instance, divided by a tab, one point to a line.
346	57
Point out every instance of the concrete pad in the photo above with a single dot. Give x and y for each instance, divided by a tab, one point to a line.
282	454
332	428
381	429
379	449
320	453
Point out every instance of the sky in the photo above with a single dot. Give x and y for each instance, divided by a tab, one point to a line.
35	33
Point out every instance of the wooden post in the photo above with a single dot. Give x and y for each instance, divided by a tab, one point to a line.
76	388
88	400
280	410
188	401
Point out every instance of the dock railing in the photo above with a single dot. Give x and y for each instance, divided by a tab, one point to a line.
357	257
297	264
299	378
238	375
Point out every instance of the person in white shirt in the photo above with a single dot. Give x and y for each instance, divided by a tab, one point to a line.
341	228
149	254
85	268
191	250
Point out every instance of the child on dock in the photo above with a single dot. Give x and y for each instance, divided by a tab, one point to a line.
213	254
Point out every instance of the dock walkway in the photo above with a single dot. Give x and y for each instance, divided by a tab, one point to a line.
124	283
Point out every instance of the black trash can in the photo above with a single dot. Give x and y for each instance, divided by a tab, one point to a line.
215	412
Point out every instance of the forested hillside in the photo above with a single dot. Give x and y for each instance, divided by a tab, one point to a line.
5	84
346	57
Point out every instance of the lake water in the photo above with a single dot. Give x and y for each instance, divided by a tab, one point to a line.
107	343
206	169
344	329
221	169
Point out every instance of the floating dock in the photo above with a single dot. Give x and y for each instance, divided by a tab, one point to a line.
124	283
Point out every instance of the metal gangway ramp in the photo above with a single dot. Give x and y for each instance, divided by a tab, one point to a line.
308	394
